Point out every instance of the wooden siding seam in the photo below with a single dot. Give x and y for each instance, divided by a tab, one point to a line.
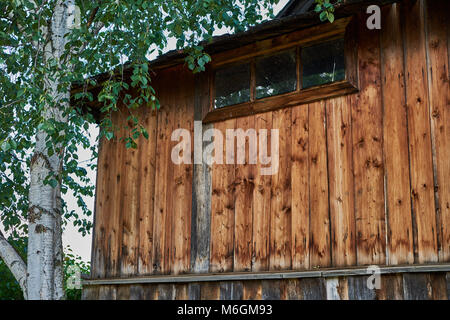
330	232
385	177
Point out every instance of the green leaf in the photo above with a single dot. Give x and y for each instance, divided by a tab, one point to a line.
6	146
144	133
331	17
109	135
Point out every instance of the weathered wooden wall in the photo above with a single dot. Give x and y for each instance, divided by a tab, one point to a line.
364	178
143	206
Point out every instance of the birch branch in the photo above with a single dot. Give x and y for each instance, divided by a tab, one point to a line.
14	262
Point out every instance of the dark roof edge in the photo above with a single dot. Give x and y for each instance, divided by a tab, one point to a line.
262	31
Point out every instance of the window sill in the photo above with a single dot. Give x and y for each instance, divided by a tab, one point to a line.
281	101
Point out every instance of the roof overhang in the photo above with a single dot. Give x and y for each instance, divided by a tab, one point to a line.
265	30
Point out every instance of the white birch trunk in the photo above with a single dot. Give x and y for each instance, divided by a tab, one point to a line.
45	276
15	263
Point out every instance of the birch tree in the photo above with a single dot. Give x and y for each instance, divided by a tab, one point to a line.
46	48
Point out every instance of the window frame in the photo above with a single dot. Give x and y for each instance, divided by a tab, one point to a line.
342	28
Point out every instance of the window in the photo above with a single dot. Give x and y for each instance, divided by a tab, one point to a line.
232	85
323	63
296	68
276	74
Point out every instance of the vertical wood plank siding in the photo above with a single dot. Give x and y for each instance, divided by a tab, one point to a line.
367	135
397	174
363	179
418	111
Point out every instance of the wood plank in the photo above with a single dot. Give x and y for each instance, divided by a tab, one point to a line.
358	290
252	290
439	94
164	173
415	286
146	193
136	292
320	251
181	291
438	286
271	289
395	137
90	293
201	214
222	208
332	285
447	278
225	290
165	291
123	292
117	184
210	291
262	200
107	292
391	287
421	161
99	245
343	288
313	288
351	51
130	211
340	171
202	185
245	184
281	213
150	292
367	136
194	291
181	235
300	188
293	289
237	290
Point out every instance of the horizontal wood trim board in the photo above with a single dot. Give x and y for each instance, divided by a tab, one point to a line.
304	37
282	101
270	275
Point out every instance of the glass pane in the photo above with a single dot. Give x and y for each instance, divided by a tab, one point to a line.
276	74
232	85
323	63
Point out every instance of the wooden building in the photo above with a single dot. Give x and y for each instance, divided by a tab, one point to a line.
363	120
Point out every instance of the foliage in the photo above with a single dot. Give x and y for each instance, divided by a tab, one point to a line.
326	9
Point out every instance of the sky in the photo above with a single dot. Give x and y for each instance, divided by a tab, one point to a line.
71	237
